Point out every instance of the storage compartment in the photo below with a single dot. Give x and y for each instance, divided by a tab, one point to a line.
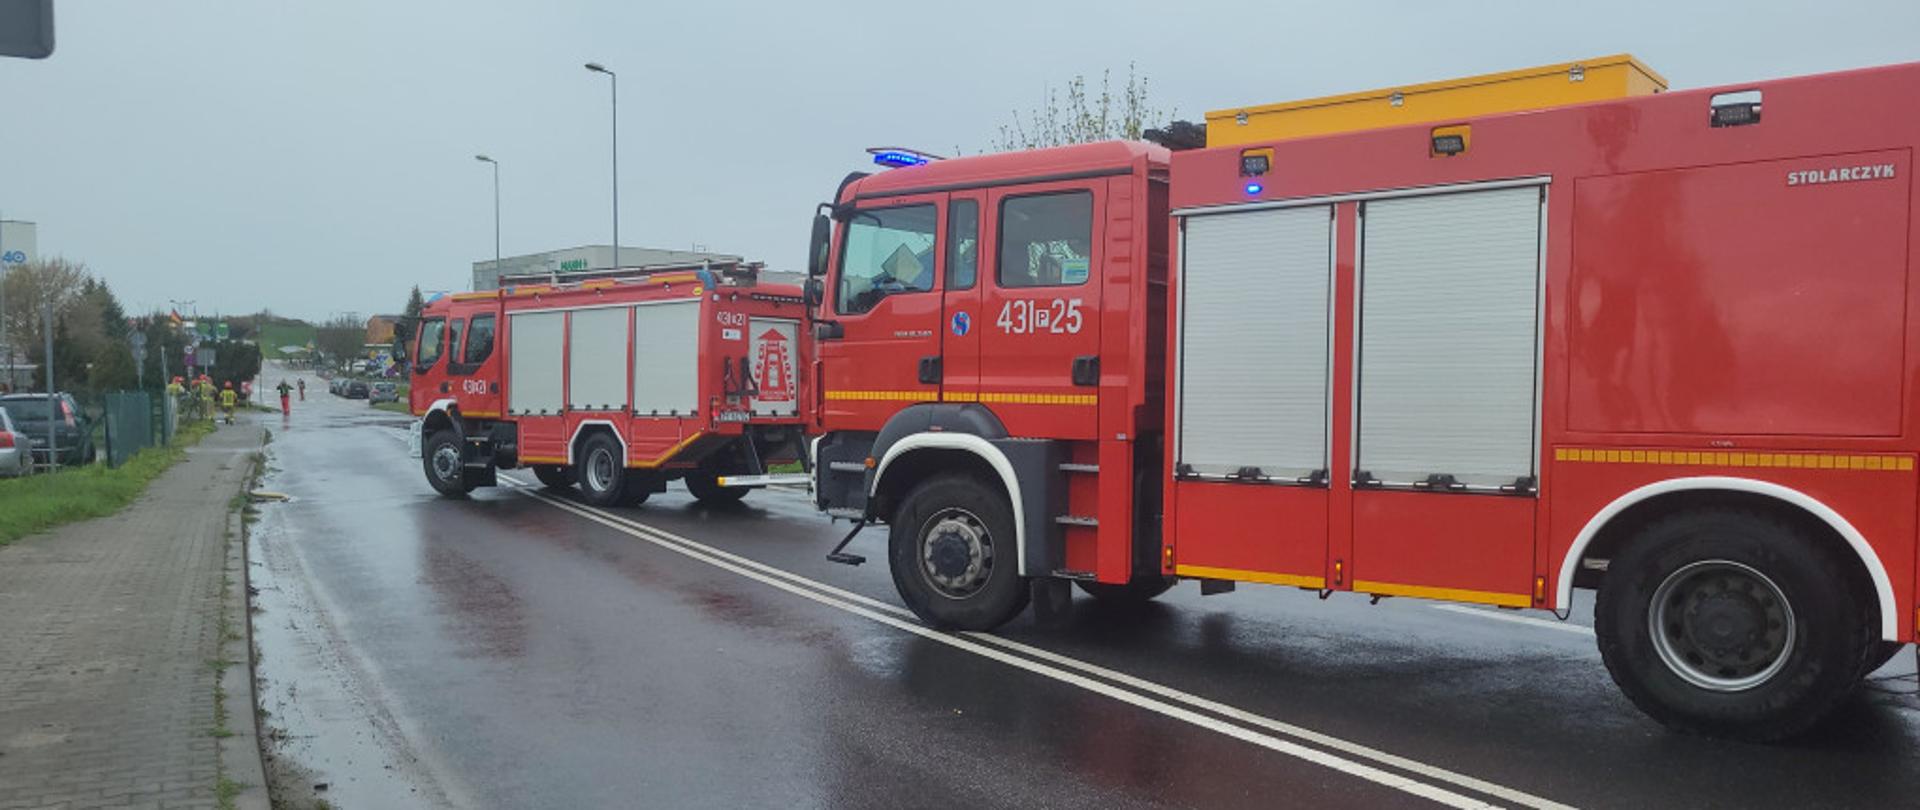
597	359
1448	344
1253	343
1248	532
534	363
1754	298
666	357
1607	77
1469	548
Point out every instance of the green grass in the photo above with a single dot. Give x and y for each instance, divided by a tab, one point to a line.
273	336
36	503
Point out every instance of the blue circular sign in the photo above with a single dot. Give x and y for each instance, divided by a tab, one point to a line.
961	323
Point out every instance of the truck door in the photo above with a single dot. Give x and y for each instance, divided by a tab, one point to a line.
962	294
882	321
1040	341
475	379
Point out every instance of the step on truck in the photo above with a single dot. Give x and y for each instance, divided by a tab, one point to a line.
614	385
1663	346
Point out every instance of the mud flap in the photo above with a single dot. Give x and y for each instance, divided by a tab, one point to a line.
1052	598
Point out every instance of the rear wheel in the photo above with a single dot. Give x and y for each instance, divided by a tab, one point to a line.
953	555
445	469
1732	623
601	470
706	487
554	476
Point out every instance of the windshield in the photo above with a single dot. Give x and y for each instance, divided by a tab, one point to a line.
431	334
30	409
889	251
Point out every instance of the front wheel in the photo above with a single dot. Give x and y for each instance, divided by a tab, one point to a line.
1731	623
953	555
441	458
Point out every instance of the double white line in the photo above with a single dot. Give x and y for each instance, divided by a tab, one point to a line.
1350	758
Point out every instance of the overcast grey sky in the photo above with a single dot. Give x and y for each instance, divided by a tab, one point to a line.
317	157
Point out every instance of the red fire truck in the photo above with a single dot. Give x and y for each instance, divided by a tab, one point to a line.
619	385
1658	346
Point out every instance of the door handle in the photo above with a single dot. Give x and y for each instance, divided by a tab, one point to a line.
1086	370
828	330
930	371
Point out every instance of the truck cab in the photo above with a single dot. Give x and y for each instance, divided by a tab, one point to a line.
452	360
985	379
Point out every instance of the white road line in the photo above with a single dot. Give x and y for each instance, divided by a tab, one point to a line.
874	609
1564	627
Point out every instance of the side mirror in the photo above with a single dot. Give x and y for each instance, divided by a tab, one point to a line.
816	292
817	248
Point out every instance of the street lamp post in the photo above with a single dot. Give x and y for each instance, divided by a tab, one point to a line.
615	85
496	212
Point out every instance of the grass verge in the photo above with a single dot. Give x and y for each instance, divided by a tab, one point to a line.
39	502
395	407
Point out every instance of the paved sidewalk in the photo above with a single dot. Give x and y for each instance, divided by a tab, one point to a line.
107	631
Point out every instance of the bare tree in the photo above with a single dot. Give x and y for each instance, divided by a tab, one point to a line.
1079	115
51	279
341	337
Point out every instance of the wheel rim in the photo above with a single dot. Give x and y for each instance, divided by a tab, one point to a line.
446	462
956	553
1721	626
600	470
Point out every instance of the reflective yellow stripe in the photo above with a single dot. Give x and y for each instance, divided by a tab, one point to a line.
662	458
1295	580
881	396
524	460
1444	594
1706	458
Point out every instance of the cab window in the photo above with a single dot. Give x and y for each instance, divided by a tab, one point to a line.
963	244
453	340
1046	240
888	251
479	341
432	339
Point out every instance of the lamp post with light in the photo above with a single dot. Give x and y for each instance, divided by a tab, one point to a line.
615	86
496	210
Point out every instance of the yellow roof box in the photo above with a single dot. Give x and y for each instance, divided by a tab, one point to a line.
1608	77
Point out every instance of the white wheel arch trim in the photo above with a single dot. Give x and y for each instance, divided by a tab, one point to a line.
441	405
575	439
1882	585
971	444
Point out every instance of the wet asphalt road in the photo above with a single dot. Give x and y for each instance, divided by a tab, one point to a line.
518	650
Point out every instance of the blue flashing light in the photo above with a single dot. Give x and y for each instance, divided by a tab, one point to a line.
1254	188
898	158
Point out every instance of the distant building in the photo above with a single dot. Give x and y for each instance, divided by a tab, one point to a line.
380	329
583	259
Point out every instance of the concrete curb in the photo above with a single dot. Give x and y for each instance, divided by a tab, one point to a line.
240	754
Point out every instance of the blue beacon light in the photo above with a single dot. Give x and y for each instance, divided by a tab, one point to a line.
1254	188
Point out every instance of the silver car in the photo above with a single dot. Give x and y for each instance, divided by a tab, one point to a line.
15	459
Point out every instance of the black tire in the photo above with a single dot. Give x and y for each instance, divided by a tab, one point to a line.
1138	592
554	476
601	471
707	489
976	557
1761	633
442	450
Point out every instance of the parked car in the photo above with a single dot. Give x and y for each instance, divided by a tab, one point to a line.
15	458
356	389
72	431
383	392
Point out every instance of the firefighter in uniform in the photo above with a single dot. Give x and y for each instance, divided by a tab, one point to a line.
227	400
205	389
286	403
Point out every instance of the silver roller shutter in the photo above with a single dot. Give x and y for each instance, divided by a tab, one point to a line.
666	351
533	363
1449	317
1254	341
597	358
